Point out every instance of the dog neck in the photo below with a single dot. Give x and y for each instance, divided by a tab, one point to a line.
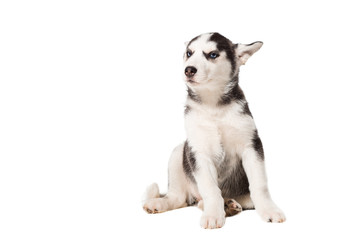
219	95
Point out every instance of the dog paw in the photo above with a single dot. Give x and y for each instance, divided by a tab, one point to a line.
273	215
154	205
231	207
212	221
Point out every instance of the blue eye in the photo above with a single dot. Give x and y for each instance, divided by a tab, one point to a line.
188	54
213	55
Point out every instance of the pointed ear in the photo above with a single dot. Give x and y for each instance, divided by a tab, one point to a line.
244	51
186	43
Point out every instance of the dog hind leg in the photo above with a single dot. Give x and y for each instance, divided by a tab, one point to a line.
231	206
154	202
245	201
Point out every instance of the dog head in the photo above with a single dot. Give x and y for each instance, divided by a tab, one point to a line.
212	59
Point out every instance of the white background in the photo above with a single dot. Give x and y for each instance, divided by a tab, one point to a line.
91	106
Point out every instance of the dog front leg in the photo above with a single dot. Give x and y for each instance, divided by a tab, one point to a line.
206	180
255	171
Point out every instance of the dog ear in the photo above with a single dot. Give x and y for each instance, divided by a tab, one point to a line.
244	51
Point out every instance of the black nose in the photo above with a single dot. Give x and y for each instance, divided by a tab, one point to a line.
190	71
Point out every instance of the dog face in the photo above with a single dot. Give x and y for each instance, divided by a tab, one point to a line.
212	59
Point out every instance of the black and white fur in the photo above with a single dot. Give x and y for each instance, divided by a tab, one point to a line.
223	156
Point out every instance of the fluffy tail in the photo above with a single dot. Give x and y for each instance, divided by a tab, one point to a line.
152	191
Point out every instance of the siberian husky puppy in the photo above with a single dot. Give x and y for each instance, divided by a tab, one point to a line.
220	166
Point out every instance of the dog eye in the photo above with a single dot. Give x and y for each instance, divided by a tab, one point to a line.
213	55
188	53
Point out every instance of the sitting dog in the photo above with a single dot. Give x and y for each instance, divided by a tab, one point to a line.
220	166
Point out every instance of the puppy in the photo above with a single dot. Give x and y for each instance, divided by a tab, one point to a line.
220	166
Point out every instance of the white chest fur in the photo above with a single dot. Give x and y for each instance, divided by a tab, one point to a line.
220	131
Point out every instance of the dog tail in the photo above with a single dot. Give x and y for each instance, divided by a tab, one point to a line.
152	191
